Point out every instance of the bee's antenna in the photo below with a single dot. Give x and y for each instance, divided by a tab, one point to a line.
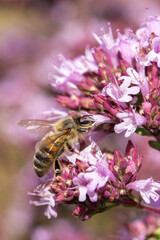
88	115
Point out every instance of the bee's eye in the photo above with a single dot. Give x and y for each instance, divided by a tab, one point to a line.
85	121
82	121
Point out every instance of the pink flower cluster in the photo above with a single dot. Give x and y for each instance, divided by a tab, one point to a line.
118	84
94	182
118	79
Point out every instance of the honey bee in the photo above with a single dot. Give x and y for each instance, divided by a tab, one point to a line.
60	137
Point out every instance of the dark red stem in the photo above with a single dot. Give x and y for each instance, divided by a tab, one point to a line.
149	208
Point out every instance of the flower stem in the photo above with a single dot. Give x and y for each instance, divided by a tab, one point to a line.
149	208
107	207
158	137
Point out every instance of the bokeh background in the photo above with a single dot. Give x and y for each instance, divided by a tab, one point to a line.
32	34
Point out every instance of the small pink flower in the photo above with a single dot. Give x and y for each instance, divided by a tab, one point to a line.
142	36
67	78
128	45
108	44
95	176
120	93
46	198
106	40
137	78
86	185
131	121
153	25
71	72
99	119
149	27
147	189
85	155
87	62
154	54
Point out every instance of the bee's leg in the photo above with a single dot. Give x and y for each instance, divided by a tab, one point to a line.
57	168
70	148
60	152
57	164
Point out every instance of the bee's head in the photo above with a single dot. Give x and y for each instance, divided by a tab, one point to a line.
83	122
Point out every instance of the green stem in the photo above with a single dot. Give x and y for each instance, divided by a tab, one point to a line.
149	130
155	135
105	208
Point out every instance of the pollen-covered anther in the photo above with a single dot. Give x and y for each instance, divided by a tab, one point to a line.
69	182
122	192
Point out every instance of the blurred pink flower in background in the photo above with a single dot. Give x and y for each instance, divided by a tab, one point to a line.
145	227
62	229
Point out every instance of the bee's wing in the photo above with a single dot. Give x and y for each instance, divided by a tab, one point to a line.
50	138
36	125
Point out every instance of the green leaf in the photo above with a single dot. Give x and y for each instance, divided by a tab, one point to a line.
155	145
155	235
143	132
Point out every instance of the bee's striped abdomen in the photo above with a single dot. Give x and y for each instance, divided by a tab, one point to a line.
44	159
47	154
42	163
